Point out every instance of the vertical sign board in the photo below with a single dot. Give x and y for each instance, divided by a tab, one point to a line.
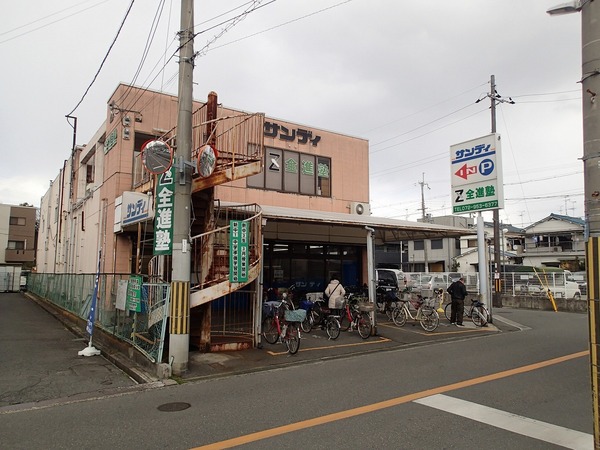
476	175
238	251
163	218
134	293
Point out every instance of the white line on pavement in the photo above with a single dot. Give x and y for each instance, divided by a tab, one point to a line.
517	424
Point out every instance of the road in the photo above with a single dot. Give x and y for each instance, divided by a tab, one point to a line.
528	389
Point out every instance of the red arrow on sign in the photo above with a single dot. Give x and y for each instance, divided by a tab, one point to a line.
465	171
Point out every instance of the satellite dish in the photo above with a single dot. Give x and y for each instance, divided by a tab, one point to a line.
157	156
207	161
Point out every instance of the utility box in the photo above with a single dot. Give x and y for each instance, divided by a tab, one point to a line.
10	278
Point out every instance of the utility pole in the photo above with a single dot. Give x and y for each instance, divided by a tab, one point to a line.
497	300
590	86
424	217
179	337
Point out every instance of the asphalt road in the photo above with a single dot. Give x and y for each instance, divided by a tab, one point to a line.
526	389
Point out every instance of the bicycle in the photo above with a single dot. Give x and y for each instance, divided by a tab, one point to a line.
477	312
355	315
425	314
286	330
320	315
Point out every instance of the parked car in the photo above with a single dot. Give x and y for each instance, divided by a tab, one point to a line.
392	278
580	279
435	281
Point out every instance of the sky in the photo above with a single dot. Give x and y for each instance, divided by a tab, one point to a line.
404	75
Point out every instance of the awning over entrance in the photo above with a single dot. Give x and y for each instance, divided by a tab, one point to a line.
301	224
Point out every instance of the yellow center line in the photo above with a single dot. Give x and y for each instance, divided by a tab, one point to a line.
277	431
355	344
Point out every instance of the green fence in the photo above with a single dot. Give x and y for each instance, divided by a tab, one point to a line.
145	329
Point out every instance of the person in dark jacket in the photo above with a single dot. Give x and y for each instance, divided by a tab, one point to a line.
458	292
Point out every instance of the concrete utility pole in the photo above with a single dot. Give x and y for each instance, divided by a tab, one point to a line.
497	300
590	85
179	337
424	217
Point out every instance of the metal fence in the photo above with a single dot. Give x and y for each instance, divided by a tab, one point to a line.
73	292
513	283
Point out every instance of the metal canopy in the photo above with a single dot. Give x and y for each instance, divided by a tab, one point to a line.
284	222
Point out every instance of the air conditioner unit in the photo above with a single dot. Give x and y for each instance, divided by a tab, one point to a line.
360	209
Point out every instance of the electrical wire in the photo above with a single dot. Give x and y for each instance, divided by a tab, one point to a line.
149	40
104	59
48	24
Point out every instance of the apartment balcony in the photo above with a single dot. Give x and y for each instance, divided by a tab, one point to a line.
19	256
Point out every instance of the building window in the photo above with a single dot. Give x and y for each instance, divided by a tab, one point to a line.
16	245
294	172
17	221
89	173
419	245
324	177
437	244
457	243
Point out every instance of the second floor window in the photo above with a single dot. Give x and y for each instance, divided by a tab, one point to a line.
294	172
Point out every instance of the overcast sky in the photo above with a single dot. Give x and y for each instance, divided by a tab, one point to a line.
404	75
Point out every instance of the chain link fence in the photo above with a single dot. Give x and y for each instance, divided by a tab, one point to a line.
145	329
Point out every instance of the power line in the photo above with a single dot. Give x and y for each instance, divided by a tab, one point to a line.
48	24
104	59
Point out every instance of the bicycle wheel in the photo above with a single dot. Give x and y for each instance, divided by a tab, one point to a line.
364	326
333	328
292	338
269	330
430	319
307	323
479	316
389	311
344	320
317	315
399	316
448	311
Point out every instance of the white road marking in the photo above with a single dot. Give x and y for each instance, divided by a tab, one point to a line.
511	323
517	424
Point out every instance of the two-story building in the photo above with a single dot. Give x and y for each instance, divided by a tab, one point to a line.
302	190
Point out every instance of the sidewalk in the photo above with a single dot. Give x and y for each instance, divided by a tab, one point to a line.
39	360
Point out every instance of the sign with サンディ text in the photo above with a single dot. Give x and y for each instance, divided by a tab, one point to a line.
476	175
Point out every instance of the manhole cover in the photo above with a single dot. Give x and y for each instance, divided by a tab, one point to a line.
175	406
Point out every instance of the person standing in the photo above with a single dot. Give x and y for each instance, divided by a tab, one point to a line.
458	292
335	292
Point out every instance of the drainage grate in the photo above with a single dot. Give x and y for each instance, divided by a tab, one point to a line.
173	407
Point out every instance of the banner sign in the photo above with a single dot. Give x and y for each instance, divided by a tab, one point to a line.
163	220
238	251
92	315
476	175
134	293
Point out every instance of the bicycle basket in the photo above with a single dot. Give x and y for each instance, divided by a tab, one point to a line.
295	315
366	307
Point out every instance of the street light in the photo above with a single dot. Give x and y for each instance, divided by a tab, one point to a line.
567	8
